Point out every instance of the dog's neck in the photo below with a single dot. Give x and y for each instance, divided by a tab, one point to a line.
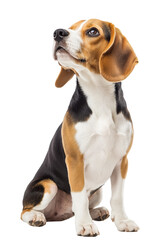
100	93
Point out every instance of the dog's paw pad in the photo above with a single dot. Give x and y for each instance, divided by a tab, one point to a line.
36	223
99	214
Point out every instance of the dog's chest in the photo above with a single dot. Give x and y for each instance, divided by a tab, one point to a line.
103	140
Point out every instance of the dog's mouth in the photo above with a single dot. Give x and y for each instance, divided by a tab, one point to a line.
59	49
62	49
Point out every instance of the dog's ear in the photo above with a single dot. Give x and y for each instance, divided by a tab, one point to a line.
118	59
64	76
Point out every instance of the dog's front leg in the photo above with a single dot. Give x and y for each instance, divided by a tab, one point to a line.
118	214
80	203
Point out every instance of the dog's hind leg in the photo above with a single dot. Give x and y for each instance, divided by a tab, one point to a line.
100	213
36	198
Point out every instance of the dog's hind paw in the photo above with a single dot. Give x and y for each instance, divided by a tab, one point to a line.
99	214
34	218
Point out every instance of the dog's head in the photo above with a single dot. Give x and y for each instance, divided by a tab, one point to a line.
96	45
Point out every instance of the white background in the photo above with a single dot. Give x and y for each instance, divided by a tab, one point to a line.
31	108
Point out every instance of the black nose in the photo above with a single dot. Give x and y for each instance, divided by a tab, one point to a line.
59	34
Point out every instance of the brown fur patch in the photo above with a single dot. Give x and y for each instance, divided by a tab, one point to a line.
64	76
47	184
118	59
124	163
76	25
124	167
74	159
92	47
25	210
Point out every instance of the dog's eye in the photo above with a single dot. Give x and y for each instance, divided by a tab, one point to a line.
92	32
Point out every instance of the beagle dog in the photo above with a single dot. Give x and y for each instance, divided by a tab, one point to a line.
92	143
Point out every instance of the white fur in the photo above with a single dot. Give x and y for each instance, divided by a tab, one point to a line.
83	220
45	201
104	138
73	42
33	216
118	214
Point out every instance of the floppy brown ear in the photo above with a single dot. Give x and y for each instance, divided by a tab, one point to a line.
64	76
118	59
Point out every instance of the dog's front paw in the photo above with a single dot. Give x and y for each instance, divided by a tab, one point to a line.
89	229
126	225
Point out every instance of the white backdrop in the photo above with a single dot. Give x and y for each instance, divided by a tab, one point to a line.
31	108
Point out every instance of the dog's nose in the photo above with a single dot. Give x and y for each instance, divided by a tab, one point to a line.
59	34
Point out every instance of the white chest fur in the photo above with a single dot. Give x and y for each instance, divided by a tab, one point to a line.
104	138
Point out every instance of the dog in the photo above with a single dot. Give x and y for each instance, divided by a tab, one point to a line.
92	143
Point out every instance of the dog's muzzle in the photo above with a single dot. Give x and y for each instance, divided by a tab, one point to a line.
59	34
